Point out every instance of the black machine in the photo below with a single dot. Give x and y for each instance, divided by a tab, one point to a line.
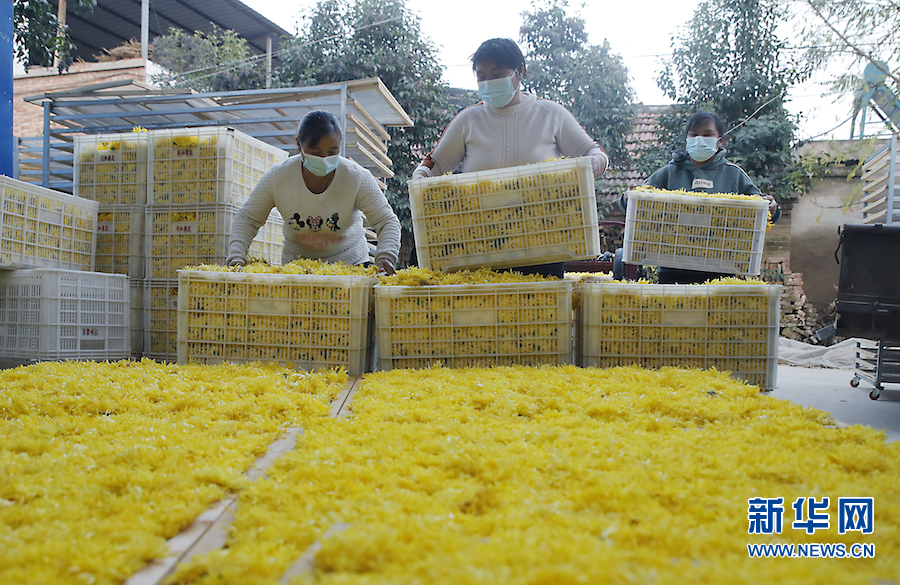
868	300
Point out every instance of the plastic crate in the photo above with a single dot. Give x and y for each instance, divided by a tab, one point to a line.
111	169
53	314
207	165
120	240
727	327
42	228
531	214
528	323
190	235
137	319
310	322
715	234
161	320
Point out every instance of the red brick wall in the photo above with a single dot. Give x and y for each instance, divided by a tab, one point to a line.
28	119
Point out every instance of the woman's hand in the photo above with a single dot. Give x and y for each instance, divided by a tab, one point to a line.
384	265
421	172
237	262
773	205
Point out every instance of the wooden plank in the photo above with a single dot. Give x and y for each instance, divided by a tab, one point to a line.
372	122
370	145
307	561
345	407
385	171
210	530
363	129
338	403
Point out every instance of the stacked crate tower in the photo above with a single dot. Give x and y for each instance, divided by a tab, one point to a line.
167	200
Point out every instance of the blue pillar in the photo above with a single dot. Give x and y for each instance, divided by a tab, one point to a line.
7	142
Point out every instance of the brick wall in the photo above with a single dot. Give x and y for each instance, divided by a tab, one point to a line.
777	248
28	119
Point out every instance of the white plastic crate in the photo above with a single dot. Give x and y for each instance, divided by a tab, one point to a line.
474	325
53	314
207	165
531	214
190	235
111	169
715	234
310	322
161	320
42	228
727	327
120	240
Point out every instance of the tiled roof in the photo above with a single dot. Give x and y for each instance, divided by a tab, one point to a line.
619	180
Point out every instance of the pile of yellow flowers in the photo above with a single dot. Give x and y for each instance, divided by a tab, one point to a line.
424	277
300	266
101	463
558	475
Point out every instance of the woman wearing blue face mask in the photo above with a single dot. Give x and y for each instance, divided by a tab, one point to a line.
703	167
321	197
509	128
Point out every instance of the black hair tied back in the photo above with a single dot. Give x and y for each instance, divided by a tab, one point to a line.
315	125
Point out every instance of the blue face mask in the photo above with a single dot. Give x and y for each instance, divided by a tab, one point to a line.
497	92
321	166
702	148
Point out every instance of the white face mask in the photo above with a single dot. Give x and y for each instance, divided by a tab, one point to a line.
702	148
321	166
497	92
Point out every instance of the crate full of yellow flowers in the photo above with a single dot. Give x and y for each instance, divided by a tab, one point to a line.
307	321
718	233
54	314
530	214
206	165
111	169
188	235
43	228
729	327
120	240
474	325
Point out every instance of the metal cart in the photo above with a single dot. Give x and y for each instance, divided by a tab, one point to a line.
877	362
868	301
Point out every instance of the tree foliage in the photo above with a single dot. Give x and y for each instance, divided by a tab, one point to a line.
589	80
219	60
342	41
730	61
863	31
38	34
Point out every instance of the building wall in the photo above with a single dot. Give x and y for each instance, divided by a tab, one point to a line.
815	218
28	118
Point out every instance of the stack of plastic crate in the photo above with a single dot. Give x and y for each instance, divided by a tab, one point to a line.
198	180
727	327
474	325
111	169
531	214
307	321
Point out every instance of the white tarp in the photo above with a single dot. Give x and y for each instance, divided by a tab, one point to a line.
796	353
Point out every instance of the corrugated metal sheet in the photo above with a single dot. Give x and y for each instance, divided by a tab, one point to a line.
113	22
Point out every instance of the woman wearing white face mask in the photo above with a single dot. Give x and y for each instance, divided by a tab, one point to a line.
703	167
509	128
321	197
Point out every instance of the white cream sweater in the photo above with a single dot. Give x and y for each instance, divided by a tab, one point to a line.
326	226
483	137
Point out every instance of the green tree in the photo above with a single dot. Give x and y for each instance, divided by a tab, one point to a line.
219	60
367	38
589	80
730	61
38	34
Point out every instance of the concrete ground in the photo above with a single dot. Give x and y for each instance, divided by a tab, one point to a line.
830	390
